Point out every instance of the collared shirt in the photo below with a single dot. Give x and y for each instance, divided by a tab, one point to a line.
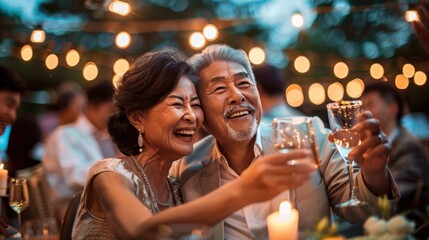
70	152
393	135
238	225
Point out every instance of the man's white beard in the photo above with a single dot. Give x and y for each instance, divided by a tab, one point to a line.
243	135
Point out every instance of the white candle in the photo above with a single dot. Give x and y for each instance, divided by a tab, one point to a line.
283	224
3	180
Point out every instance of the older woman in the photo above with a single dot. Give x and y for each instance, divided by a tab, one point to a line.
159	116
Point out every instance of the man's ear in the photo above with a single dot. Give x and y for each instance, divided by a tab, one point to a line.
136	120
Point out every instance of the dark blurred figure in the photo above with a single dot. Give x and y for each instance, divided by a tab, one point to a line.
271	83
421	28
11	90
24	136
408	162
69	103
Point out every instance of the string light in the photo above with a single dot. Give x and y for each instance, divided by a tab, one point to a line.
376	71
210	32
336	91
121	66
420	78
123	40
51	61
302	64
256	55
197	40
341	70
38	35
26	52
119	7
408	70
297	20
411	16
401	81
90	71
72	58
294	95
316	93
355	88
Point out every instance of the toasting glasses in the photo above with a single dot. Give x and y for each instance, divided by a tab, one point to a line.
295	133
343	116
18	199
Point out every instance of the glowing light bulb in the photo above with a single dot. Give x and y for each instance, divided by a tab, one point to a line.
90	71
197	40
119	7
38	36
411	16
211	32
26	52
302	64
297	20
123	40
256	55
72	58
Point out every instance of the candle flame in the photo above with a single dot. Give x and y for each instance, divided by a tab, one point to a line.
285	208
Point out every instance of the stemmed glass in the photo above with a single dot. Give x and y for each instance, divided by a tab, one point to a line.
295	133
343	116
18	199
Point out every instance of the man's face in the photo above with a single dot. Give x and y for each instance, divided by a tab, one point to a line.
230	102
9	104
380	109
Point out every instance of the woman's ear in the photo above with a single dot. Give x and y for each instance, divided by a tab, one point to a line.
136	120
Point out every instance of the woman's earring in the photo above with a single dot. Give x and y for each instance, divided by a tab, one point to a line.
140	141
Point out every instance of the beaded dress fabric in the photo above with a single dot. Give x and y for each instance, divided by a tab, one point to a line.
91	227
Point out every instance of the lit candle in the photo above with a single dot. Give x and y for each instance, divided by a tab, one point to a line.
3	180
283	224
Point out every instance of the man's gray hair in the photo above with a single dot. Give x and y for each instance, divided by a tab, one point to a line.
220	53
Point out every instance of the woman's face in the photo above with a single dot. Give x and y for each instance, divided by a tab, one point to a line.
170	127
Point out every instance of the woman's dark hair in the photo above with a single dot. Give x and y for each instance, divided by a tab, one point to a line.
149	80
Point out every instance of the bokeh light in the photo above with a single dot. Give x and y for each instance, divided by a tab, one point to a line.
355	88
38	36
51	61
210	32
26	52
115	80
72	58
411	16
294	95
121	66
302	64
336	91
408	70
341	70
376	71
401	81
119	7
90	71
297	20
316	93
256	55
197	40
420	78
123	40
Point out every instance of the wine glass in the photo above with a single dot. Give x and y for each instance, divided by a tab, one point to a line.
18	199
343	116
295	133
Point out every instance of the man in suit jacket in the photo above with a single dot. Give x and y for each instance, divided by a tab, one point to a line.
232	109
408	161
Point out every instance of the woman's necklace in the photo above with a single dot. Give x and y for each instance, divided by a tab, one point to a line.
155	201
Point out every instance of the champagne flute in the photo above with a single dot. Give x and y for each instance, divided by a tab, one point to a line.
343	116
295	133
18	199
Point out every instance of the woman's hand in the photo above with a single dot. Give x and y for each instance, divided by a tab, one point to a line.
270	175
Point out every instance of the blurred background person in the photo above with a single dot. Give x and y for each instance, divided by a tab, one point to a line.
271	83
11	90
69	103
408	162
72	149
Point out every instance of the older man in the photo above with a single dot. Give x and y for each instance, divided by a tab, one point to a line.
232	109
